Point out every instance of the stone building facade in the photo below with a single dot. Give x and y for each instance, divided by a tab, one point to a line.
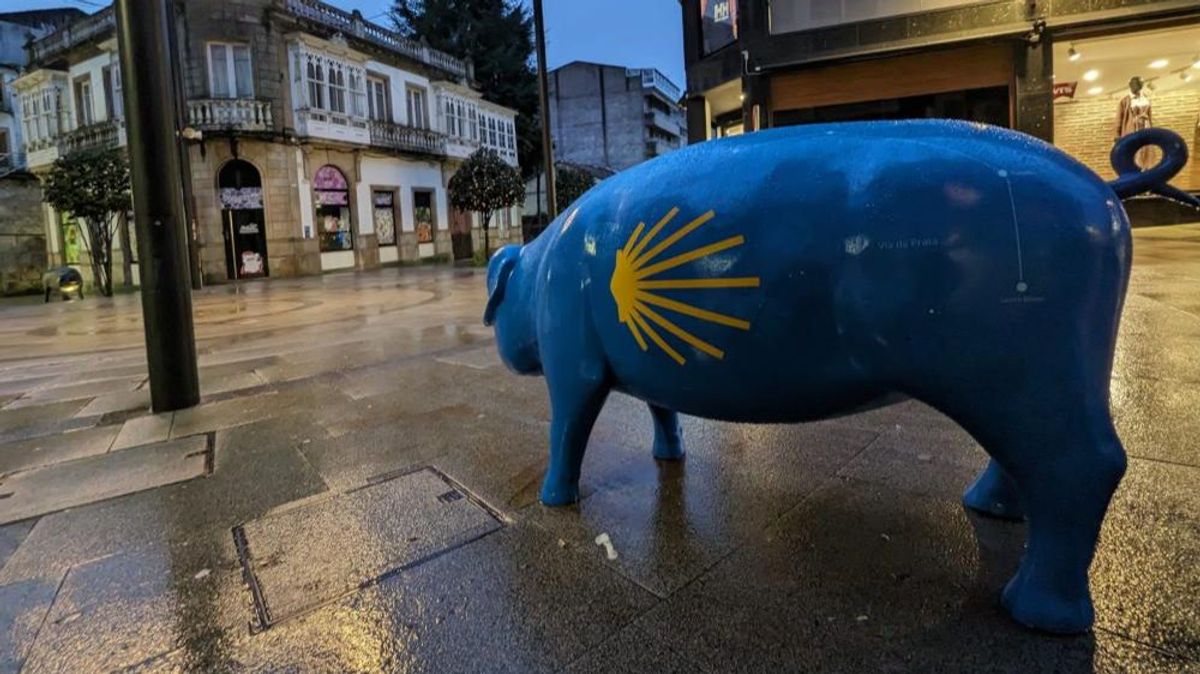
322	141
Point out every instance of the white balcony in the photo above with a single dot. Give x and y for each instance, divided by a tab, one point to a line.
407	138
229	114
99	136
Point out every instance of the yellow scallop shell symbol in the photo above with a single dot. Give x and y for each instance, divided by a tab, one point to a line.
632	283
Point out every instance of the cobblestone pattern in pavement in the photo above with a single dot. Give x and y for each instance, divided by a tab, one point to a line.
832	546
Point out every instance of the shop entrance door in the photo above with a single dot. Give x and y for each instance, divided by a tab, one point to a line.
243	225
460	234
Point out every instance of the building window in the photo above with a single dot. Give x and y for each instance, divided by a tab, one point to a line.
333	209
358	103
337	89
316	86
83	101
229	72
423	215
418	114
384	204
379	103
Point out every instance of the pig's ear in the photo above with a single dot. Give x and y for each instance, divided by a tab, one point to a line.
505	270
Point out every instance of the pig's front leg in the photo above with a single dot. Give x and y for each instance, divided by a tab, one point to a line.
668	441
574	406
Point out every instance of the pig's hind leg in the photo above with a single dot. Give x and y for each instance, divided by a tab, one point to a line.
668	440
1054	438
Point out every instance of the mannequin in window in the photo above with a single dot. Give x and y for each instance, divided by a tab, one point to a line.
1133	114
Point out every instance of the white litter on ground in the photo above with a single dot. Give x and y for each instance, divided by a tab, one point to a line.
604	541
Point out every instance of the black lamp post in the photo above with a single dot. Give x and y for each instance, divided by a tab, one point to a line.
151	117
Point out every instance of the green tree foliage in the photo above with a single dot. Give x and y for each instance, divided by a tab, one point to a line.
93	187
497	36
483	184
569	185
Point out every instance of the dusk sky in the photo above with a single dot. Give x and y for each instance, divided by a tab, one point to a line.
633	33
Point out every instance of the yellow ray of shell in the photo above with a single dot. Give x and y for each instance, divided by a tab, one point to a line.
695	283
671	263
677	235
653	232
680	332
689	310
633	238
657	338
637	336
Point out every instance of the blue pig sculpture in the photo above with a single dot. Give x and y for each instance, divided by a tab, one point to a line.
796	274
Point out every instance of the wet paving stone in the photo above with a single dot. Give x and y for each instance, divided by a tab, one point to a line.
865	578
11	537
60	486
111	613
51	449
307	554
23	609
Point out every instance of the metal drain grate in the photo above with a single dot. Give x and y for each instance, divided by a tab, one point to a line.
302	557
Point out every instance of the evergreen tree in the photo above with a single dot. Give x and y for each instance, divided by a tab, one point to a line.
484	184
497	36
570	184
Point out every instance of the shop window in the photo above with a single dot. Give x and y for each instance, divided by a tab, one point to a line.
384	205
423	215
229	72
1109	87
718	23
333	209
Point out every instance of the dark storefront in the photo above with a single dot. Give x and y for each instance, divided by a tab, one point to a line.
1059	71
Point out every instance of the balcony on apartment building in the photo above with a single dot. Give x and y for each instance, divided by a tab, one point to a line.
659	119
657	82
352	24
77	33
229	114
406	138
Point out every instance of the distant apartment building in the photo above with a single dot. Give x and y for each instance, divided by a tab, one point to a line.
614	117
22	238
604	119
327	141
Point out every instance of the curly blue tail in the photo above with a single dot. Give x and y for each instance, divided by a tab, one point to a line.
1132	180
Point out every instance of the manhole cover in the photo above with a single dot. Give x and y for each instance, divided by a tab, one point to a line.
302	557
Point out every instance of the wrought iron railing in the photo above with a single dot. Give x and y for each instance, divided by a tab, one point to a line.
410	138
353	24
239	114
74	34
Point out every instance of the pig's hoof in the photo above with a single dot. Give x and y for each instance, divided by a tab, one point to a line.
993	495
987	504
559	494
1046	611
665	452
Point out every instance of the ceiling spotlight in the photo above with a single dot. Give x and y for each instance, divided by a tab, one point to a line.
1095	90
1072	54
1185	76
1159	64
1091	75
1196	62
742	96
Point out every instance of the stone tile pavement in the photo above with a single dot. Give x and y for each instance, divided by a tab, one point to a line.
357	492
